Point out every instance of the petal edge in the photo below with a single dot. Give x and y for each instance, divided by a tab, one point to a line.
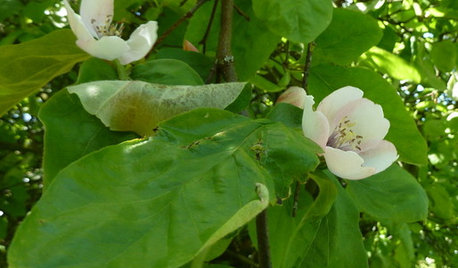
314	124
140	42
347	164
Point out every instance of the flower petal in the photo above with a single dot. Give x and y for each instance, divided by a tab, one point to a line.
140	42
331	105
107	47
77	25
369	122
96	13
294	96
347	164
314	124
381	156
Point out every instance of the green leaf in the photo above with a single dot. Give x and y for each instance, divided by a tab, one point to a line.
169	16
154	202
434	129
284	152
71	133
27	67
265	84
288	114
166	71
338	241
96	69
36	10
404	253
389	38
444	55
123	10
298	20
252	42
391	64
9	8
139	106
324	233
197	27
218	248
426	68
242	101
349	35
126	221
291	237
441	202
198	61
403	131
392	195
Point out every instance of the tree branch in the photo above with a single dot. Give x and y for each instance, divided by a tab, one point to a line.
224	58
308	61
263	240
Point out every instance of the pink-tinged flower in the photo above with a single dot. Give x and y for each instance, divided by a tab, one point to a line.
350	130
294	96
97	35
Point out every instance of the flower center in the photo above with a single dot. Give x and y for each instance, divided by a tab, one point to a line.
344	138
109	28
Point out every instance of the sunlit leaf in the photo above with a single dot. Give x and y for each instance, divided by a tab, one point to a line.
26	67
297	20
391	64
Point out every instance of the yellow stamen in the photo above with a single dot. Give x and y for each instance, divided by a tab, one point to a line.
343	136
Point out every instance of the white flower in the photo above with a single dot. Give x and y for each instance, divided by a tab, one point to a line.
350	130
99	37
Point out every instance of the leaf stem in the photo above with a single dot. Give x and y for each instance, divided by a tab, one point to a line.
263	240
224	58
308	61
121	69
203	42
241	13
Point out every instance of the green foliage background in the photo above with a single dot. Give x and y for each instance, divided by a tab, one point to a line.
410	43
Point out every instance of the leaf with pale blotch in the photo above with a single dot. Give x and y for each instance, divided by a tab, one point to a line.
139	106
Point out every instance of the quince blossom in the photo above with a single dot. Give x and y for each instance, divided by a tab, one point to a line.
100	38
294	96
350	130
